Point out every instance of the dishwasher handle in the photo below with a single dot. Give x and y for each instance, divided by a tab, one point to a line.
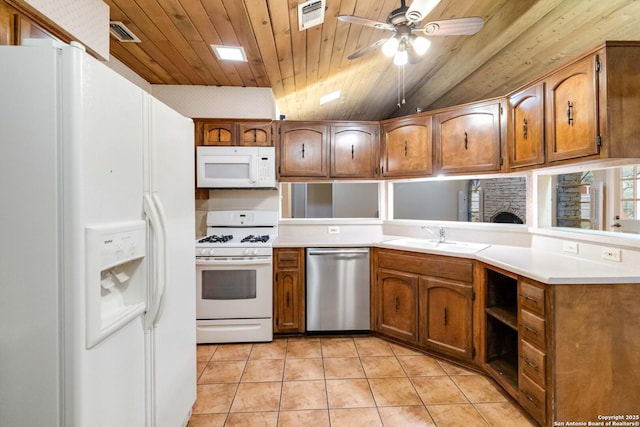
338	251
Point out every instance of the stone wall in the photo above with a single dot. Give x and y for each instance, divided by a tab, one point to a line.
504	195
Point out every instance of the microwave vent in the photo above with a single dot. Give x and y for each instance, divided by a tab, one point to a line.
122	33
310	14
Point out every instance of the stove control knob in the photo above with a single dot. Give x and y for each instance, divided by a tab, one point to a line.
208	252
247	251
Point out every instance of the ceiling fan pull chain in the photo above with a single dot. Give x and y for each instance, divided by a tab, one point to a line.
403	79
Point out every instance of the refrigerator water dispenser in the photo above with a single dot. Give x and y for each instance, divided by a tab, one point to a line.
115	277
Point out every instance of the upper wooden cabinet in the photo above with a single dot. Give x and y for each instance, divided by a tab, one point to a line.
321	150
407	147
572	110
354	150
469	138
233	132
303	150
525	134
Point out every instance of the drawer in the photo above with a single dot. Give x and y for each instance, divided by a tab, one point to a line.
287	258
533	399
446	267
531	298
532	329
532	363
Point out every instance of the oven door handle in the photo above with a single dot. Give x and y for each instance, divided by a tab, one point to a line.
237	261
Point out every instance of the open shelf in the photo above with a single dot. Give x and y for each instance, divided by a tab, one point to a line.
504	315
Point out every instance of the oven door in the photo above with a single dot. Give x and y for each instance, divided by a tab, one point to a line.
234	288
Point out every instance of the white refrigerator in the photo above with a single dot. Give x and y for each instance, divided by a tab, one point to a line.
97	271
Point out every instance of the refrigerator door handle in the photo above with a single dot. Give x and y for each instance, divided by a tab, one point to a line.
155	213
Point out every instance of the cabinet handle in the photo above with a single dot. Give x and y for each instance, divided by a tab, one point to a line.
533	365
529	328
528	298
397	304
466	141
406	149
570	113
303	151
351	151
525	128
445	316
255	135
531	399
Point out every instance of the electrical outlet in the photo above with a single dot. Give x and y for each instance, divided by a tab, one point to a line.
333	229
611	254
570	247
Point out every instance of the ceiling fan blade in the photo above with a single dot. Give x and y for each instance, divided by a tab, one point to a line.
420	8
454	27
358	53
364	21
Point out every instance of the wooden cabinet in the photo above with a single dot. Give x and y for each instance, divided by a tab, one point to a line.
288	290
396	305
532	348
525	134
572	110
446	310
407	147
425	300
322	150
354	150
303	150
233	132
468	139
591	112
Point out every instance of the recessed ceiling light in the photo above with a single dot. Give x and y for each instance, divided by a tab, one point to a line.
229	53
330	97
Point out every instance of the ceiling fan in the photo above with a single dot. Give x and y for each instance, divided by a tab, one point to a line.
405	23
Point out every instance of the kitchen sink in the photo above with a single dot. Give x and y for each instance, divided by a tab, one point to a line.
437	245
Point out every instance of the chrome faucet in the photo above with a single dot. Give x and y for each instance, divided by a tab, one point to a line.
441	233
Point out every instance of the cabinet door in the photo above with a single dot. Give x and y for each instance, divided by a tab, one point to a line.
572	111
447	312
468	139
218	133
526	128
303	150
254	134
397	305
407	147
288	291
354	151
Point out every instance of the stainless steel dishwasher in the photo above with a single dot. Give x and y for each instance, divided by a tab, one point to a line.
337	289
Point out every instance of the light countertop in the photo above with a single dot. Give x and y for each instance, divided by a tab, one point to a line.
543	266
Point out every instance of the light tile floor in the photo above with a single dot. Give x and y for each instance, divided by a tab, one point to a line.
342	381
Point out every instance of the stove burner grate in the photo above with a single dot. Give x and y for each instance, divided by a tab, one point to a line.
255	239
216	238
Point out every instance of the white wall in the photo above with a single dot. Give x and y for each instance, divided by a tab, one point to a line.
220	102
86	21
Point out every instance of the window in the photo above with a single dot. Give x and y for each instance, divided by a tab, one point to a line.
630	192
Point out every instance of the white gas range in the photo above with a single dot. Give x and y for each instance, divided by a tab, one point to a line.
234	285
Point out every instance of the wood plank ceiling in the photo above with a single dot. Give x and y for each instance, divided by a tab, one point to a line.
521	40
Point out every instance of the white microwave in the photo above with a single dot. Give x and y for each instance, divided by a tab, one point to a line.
236	167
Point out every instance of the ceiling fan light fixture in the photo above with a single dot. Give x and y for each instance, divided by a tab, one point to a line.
420	45
401	57
390	47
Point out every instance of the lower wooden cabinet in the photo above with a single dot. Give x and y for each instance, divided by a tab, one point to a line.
396	305
425	300
446	311
288	290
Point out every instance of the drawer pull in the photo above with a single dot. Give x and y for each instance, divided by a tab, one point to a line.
529	328
533	365
531	399
397	304
445	316
529	298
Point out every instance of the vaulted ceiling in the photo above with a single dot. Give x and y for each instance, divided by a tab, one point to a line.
521	40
